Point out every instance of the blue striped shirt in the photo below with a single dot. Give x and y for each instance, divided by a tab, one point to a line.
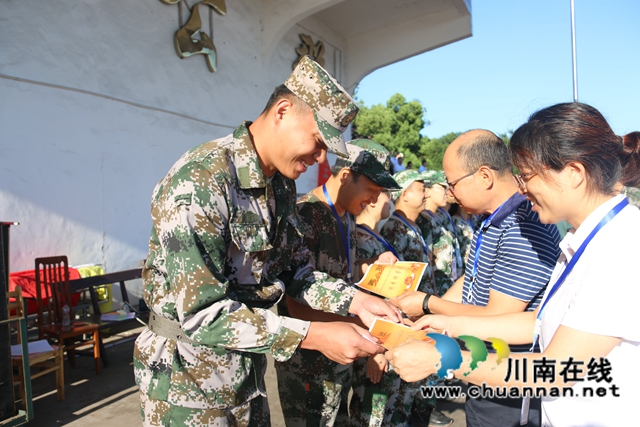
517	255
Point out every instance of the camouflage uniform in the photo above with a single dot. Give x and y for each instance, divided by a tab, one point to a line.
633	194
313	389
387	403
442	245
409	246
464	231
222	234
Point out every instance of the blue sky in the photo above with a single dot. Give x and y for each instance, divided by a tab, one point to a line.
519	61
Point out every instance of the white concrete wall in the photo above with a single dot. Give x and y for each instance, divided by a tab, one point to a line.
82	137
95	107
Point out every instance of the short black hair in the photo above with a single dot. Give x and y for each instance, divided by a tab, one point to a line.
281	92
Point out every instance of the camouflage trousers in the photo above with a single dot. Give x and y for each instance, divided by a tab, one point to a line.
254	413
314	400
385	404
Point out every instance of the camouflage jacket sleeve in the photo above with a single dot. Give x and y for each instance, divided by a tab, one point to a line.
319	273
205	261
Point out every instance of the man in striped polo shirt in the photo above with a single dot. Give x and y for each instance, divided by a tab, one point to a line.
511	259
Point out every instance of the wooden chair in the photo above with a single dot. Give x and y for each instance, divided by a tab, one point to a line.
40	363
52	287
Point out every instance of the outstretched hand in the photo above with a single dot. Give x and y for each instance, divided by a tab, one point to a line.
433	322
410	303
414	360
368	307
340	341
376	366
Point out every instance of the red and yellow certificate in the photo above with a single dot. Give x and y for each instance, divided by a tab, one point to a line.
393	334
393	280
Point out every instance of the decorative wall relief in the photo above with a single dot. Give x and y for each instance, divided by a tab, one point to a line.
190	40
307	48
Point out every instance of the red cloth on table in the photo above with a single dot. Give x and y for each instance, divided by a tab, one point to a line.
27	281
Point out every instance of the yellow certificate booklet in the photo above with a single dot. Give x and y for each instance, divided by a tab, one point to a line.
393	334
393	280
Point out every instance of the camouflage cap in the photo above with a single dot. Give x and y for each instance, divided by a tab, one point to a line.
333	108
371	160
406	177
434	177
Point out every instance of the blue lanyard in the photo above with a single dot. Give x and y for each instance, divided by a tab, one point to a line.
476	255
424	245
456	244
574	260
380	239
345	237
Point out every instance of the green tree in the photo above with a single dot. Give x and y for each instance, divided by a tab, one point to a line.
432	149
396	125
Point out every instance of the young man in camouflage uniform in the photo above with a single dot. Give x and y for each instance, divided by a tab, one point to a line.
224	229
402	230
434	222
314	389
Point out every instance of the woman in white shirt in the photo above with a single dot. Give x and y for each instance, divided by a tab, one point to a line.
572	168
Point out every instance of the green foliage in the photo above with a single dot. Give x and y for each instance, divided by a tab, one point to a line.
433	149
506	137
397	126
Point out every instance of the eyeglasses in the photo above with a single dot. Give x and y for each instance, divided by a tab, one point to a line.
453	183
523	178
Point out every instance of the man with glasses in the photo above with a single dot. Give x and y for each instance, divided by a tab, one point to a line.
511	259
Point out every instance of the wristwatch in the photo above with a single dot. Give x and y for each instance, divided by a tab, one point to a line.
425	304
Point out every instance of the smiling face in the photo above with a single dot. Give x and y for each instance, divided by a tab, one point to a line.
297	143
414	197
438	195
356	192
547	191
465	190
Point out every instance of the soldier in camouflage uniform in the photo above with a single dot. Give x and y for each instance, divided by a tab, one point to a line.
436	224
314	389
380	397
465	226
402	231
224	229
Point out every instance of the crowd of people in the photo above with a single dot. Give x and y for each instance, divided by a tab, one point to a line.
230	243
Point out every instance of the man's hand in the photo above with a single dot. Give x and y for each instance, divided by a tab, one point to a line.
386	258
414	360
435	322
368	307
376	365
410	303
341	342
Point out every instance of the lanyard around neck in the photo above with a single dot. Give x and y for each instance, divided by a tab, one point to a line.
380	239
574	260
345	236
419	234
476	255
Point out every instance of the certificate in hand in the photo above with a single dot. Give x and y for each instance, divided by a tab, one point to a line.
392	334
391	281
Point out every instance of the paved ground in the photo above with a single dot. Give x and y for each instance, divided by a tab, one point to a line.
111	398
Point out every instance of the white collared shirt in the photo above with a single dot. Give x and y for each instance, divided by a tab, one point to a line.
600	296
